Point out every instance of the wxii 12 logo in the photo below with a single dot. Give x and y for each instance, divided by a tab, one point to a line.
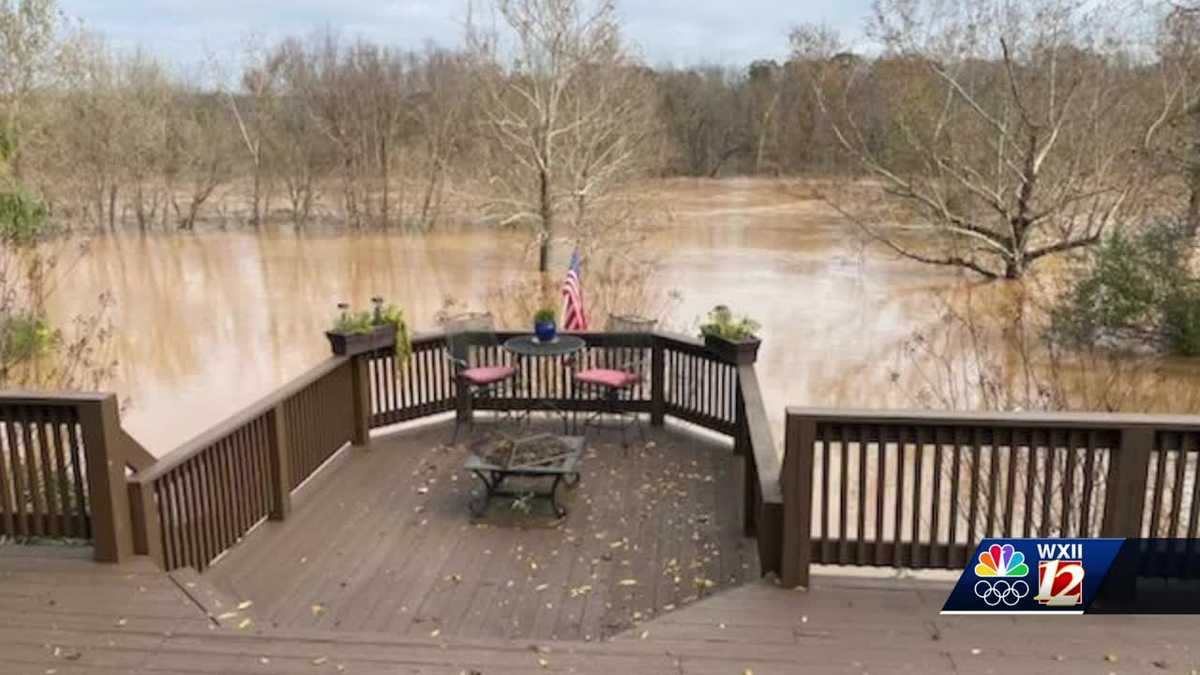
1060	575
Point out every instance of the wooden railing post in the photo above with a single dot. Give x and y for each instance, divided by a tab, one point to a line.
147	526
281	469
361	379
1125	499
658	370
112	530
800	437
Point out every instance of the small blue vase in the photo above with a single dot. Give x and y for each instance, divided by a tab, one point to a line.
545	331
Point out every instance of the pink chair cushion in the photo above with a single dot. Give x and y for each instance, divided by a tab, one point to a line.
603	377
488	374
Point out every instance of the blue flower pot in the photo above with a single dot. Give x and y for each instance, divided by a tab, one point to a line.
545	331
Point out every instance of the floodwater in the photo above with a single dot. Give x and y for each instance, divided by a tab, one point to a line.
207	323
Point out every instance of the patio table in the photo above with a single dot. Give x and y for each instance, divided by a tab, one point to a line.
525	347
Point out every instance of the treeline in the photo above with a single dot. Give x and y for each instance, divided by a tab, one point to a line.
338	130
346	131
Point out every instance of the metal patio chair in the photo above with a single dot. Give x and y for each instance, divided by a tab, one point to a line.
477	360
618	373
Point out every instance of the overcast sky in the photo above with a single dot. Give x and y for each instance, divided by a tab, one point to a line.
681	32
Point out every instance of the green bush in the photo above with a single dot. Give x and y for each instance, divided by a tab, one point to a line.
22	218
24	337
1137	292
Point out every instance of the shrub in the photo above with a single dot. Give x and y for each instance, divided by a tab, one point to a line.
1139	291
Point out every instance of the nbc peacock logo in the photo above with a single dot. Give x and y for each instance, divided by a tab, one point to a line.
1000	570
1001	561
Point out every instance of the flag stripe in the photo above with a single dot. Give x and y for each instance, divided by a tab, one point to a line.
574	317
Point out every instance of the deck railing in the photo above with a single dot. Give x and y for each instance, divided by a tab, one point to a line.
920	489
194	503
62	470
900	489
683	379
199	500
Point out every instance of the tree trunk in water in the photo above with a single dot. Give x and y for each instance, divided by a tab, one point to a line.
112	208
547	214
1193	212
1015	269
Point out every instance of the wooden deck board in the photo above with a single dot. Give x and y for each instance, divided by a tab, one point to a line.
385	543
843	625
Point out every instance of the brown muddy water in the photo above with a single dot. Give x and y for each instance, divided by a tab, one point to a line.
207	323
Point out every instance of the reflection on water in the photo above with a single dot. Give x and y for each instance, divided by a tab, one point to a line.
210	322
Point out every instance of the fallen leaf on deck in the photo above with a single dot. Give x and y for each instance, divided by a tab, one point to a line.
627	582
542	587
435	632
244	605
543	663
318	610
320	660
121	622
1111	658
226	616
244	624
645	634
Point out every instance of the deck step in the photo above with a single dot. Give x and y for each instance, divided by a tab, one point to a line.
222	607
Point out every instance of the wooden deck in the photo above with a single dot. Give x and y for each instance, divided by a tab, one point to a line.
384	543
63	614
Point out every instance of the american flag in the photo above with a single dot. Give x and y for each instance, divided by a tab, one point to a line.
574	318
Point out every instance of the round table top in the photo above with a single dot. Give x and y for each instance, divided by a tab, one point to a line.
529	345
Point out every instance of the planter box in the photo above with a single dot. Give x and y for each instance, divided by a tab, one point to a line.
350	344
741	352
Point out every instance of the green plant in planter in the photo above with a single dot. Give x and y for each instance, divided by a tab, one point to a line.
393	315
721	323
544	315
364	322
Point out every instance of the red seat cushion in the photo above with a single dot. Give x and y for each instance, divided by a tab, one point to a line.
616	379
488	374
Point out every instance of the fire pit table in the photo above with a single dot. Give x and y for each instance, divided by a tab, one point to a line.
496	459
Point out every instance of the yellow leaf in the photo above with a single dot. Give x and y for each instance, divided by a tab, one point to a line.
627	582
244	605
244	624
320	660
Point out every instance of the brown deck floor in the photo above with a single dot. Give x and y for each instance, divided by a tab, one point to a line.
384	543
62	614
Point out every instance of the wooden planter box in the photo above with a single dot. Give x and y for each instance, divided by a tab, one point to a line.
741	352
350	344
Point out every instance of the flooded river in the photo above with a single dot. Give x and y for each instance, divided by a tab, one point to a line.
212	321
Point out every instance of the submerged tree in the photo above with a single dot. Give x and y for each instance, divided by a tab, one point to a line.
567	115
1008	128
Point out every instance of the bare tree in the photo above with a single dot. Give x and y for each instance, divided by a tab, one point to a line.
1173	140
254	111
565	115
441	109
1007	140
